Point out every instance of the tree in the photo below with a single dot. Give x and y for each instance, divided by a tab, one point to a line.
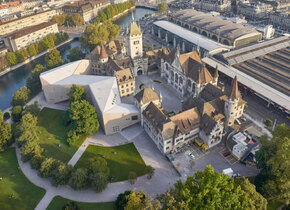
6	116
32	50
20	56
122	200
48	166
20	97
76	93
16	113
162	7
32	109
273	158
268	122
255	199
149	170
79	179
59	19
99	165
30	149
83	119
199	192
132	177
75	54
11	58
36	161
53	59
61	174
96	34
141	201
71	206
77	19
5	133
99	181
33	82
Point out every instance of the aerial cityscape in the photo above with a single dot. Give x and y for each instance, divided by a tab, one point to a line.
144	104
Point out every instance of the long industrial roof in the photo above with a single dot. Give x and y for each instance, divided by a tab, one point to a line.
197	39
212	23
263	67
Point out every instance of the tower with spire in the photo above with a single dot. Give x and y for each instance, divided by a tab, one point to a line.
135	41
232	103
103	55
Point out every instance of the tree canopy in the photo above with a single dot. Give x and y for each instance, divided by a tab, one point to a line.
20	97
53	59
76	93
100	33
5	133
162	7
273	159
205	190
75	54
33	82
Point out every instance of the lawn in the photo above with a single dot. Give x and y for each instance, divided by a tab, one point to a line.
52	135
58	202
125	160
25	194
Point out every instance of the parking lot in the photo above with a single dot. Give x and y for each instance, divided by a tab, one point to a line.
187	165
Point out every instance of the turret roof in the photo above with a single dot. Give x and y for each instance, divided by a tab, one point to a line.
235	94
134	29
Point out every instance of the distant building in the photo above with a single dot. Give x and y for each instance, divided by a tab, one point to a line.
88	9
213	5
215	28
22	38
26	21
10	8
101	91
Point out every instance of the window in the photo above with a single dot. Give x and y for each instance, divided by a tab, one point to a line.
127	90
135	117
116	128
126	85
168	142
167	148
136	42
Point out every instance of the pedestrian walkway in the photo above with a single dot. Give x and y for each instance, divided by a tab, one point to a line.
164	177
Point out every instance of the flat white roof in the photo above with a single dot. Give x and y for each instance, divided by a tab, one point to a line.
190	36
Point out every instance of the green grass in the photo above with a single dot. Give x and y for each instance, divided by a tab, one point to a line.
52	133
126	159
58	202
26	195
273	205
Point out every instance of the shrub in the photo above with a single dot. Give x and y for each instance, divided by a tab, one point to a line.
36	161
16	113
132	177
268	122
6	116
79	179
48	166
99	181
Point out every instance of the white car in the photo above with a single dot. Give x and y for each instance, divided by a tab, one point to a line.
192	156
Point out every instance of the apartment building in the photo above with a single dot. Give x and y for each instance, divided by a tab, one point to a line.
23	22
126	82
23	38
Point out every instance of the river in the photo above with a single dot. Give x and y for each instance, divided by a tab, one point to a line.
12	81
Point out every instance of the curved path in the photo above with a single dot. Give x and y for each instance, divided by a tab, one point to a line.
164	177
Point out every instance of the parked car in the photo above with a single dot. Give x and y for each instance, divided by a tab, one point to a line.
226	154
192	156
236	175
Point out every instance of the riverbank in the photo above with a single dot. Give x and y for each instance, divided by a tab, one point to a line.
12	68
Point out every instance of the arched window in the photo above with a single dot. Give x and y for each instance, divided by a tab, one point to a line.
180	80
166	67
226	42
214	37
176	78
204	33
188	83
186	26
194	29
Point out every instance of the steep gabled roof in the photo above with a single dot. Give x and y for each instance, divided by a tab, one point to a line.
103	53
235	93
204	76
156	115
147	95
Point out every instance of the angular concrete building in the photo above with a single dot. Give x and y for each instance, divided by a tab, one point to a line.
101	91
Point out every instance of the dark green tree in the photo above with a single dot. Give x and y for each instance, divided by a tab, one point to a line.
75	54
30	149
5	133
149	170
20	56
76	93
79	179
71	206
33	82
16	113
273	159
48	167
99	165
20	97
53	59
36	161
31	50
99	181
61	174
122	200
32	109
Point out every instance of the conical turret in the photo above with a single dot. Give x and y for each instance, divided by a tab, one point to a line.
235	93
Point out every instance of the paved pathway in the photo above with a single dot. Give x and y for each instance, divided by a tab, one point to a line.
164	177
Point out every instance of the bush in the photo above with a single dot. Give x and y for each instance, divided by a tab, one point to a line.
61	174
268	122
99	165
71	206
16	113
20	97
32	109
29	150
149	170
79	179
122	200
6	116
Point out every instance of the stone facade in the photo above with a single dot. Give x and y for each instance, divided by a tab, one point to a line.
210	5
